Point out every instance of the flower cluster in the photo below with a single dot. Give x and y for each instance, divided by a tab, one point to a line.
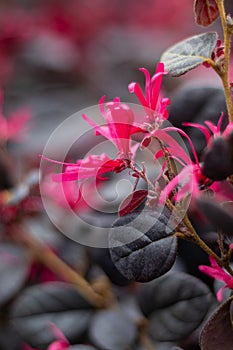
120	127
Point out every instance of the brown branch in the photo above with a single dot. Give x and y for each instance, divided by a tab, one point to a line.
47	257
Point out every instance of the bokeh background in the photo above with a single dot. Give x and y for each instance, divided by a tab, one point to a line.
57	57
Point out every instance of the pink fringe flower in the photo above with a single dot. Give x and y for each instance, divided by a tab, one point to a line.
119	125
91	167
61	342
190	178
212	130
70	195
218	273
155	109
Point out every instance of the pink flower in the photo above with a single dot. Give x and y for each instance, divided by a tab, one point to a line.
217	273
12	127
211	129
92	166
119	126
61	343
218	150
70	195
190	179
155	109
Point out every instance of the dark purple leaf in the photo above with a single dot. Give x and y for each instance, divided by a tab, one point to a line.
143	246
203	101
101	256
175	305
6	175
9	339
111	329
217	334
219	217
206	11
132	202
13	271
55	302
217	160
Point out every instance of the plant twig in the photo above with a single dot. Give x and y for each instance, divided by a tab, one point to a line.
196	239
224	75
142	174
143	334
46	256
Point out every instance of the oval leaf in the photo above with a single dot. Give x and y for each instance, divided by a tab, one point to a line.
175	304
55	302
132	202
206	12
13	271
216	215
143	246
189	53
218	331
102	257
111	329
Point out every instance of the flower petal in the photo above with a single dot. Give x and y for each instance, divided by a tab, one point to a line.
156	82
134	88
148	90
184	175
173	145
188	139
213	128
202	128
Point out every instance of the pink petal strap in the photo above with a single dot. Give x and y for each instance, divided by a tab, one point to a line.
202	128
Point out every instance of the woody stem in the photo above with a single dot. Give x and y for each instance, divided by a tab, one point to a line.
224	75
196	239
142	174
47	257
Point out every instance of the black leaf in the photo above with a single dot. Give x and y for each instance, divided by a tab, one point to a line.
13	271
217	334
217	160
112	329
175	305
53	302
143	246
216	215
